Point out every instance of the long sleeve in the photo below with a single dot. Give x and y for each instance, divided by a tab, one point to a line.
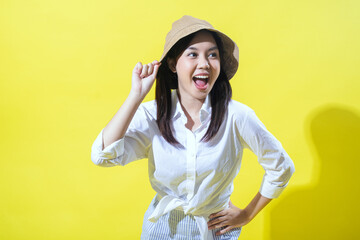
133	146
271	155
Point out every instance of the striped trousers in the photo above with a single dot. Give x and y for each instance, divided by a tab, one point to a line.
177	225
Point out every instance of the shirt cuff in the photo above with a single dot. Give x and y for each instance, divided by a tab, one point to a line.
112	151
272	188
269	190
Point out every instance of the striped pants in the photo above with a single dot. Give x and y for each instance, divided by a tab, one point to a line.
177	225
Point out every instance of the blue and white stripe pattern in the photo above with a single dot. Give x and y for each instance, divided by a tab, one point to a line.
177	225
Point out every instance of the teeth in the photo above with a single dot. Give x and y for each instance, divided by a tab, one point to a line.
202	77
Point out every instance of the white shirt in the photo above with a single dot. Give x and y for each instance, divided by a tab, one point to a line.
198	177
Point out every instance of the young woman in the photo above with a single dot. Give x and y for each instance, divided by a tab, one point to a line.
193	135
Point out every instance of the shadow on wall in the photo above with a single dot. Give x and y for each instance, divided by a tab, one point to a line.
331	208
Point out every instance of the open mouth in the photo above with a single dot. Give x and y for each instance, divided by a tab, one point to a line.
201	81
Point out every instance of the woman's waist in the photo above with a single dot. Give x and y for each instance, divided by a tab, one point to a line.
194	206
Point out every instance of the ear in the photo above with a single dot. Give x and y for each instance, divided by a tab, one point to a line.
171	63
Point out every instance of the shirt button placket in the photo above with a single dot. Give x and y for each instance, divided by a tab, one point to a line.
191	163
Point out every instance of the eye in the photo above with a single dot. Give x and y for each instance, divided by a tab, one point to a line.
213	55
192	54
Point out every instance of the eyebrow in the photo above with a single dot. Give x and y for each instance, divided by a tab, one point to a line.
210	49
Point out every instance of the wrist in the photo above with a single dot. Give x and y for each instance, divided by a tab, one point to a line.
135	97
249	215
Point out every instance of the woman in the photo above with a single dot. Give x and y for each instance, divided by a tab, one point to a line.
193	135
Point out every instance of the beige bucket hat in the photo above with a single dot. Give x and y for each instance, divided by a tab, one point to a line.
188	25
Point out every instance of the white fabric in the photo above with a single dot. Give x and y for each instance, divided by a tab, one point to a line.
197	176
177	225
169	203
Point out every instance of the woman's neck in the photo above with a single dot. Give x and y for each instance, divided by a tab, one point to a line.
191	106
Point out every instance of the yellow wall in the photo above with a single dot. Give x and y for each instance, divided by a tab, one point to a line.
65	69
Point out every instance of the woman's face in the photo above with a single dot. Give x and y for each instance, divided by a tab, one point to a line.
197	67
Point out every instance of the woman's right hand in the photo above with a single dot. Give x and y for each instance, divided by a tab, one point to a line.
143	78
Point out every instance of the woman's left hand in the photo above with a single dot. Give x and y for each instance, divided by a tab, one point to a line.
229	218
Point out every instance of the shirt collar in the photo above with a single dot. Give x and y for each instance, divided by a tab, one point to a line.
177	110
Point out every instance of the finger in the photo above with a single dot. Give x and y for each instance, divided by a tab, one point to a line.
156	68
215	223
150	69
156	62
228	228
144	71
138	68
218	214
216	220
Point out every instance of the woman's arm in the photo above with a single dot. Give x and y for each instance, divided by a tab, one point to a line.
143	78
278	169
256	205
235	217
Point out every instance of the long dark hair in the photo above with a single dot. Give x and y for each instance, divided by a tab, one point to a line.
166	80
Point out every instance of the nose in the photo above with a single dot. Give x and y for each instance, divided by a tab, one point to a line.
203	63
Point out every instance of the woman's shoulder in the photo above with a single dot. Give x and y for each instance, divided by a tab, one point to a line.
239	113
238	109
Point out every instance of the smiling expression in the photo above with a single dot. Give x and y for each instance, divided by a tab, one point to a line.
197	67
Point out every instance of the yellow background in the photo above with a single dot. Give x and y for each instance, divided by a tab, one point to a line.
65	69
